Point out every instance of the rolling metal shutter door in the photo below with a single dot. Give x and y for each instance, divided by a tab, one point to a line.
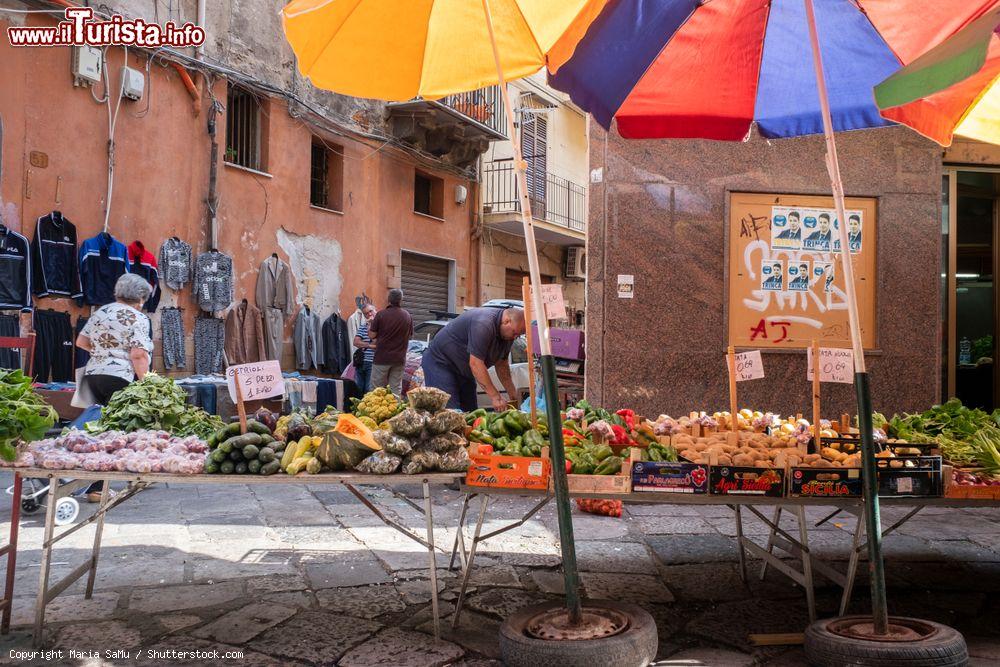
425	286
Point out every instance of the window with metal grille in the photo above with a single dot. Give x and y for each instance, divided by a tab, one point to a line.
326	183
428	194
246	130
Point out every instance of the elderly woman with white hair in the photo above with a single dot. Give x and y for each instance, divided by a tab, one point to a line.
118	339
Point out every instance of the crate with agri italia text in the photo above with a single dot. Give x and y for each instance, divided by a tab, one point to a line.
809	482
669	477
593	482
910	476
746	481
509	472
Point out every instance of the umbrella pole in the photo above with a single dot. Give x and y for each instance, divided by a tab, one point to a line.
862	389
568	546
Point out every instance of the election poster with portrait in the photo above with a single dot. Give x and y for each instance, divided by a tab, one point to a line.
785	280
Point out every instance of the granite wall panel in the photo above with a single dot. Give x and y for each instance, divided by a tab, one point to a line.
660	214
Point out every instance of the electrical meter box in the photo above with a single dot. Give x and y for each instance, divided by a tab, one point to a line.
87	63
133	83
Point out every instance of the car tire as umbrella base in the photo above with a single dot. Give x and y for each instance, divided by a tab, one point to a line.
849	640
623	634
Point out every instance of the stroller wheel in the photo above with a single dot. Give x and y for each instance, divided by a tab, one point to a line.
67	510
29	506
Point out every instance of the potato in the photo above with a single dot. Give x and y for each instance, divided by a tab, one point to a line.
821	463
725	460
762	464
742	460
780	460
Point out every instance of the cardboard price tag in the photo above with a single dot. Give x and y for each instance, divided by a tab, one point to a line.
749	366
257	381
553	302
835	365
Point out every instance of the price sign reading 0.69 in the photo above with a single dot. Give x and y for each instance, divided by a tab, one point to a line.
749	366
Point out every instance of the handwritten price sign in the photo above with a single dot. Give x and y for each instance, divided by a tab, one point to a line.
552	301
749	366
257	381
835	365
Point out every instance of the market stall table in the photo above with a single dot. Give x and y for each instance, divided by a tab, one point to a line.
137	482
778	538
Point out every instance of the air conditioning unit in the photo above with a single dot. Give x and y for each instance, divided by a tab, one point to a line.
576	263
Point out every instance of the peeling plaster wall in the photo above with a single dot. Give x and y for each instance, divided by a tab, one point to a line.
315	262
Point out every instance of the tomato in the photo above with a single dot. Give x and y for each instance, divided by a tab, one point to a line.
569	467
485	450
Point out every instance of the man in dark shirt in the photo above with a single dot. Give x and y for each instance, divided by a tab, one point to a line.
390	330
461	354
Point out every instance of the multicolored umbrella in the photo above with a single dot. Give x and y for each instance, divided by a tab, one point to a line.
952	89
710	69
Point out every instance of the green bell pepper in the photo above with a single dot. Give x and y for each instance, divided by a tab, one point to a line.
533	437
612	465
516	421
474	415
498	428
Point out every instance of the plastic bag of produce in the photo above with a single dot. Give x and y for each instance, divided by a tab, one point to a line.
408	423
392	443
430	399
445	421
602	507
456	460
379	463
420	461
444	443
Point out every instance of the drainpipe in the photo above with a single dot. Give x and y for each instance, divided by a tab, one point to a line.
212	201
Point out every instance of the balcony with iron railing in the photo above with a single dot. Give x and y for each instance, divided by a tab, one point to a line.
555	200
480	111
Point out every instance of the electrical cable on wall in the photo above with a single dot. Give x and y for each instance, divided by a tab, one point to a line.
112	125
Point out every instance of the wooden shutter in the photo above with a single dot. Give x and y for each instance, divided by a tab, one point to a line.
425	285
534	147
514	279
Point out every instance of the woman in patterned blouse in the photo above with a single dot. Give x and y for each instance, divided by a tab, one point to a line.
118	339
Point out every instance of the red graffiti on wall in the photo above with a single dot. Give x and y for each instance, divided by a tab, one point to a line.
760	330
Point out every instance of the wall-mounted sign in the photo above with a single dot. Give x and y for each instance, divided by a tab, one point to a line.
785	282
626	286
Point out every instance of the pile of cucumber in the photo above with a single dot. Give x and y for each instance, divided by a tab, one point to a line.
256	452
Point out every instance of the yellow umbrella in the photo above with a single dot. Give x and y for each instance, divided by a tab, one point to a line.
400	49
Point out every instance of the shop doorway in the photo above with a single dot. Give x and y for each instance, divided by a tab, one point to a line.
970	215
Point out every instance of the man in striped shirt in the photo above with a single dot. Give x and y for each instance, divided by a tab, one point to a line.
363	374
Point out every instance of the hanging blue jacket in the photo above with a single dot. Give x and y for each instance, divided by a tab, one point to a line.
103	260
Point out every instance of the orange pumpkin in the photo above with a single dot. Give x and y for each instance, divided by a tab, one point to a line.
347	444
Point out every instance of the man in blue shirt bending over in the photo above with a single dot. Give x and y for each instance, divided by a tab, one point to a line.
461	354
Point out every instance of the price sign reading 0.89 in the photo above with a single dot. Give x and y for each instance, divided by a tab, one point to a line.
749	366
835	365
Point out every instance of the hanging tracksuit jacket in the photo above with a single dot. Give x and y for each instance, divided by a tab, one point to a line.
103	260
143	264
15	271
54	262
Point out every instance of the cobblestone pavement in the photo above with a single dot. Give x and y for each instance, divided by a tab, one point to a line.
294	575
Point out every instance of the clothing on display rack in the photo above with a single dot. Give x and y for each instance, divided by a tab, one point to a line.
244	335
307	336
336	345
172	329
80	355
213	281
209	342
10	326
275	295
15	270
143	264
103	260
53	346
175	263
54	261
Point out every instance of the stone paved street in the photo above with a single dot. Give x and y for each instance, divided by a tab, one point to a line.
293	575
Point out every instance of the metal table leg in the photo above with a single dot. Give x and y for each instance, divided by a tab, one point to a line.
459	545
770	541
806	562
433	559
852	564
739	542
43	576
467	572
15	520
99	530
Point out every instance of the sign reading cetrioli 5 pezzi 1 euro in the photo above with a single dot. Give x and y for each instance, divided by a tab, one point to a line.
257	380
